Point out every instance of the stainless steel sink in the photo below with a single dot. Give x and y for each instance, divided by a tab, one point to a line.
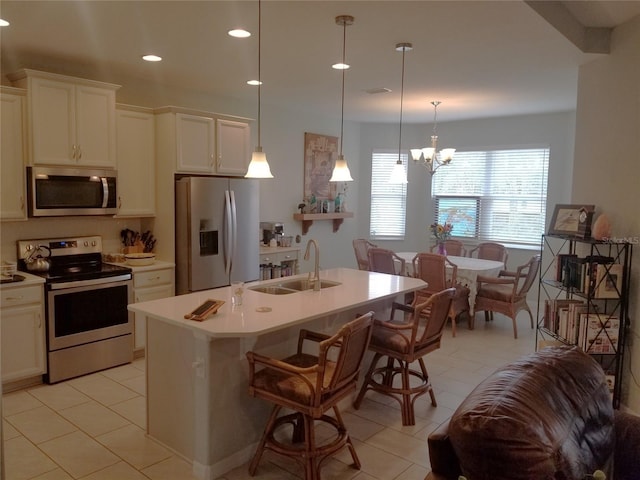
291	286
304	284
273	290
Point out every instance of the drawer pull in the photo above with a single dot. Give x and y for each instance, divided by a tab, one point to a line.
11	299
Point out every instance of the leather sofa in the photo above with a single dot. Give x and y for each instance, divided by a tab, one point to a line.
546	416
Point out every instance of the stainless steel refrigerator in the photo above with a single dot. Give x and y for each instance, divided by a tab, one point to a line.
217	232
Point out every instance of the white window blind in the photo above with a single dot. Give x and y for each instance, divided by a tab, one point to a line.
388	201
511	190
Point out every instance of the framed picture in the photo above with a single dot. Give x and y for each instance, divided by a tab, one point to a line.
572	220
320	154
609	280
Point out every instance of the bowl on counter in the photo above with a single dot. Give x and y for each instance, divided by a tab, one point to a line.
139	259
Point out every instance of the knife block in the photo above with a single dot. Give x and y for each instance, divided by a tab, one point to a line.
139	248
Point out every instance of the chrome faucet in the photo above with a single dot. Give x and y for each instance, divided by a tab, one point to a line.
316	275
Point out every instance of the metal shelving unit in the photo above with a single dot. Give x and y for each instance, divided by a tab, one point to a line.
583	299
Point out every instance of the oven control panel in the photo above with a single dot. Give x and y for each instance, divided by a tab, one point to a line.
60	247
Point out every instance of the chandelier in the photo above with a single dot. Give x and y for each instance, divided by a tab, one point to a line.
429	157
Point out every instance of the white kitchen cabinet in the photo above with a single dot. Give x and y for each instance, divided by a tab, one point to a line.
136	162
71	120
150	283
195	141
23	338
232	147
12	154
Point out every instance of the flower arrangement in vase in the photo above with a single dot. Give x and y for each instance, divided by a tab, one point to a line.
441	232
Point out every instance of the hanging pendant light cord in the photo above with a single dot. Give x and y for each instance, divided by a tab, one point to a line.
259	64
344	49
404	49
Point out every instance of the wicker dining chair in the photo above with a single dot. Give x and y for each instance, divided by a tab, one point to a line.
383	260
361	248
310	385
453	247
507	293
491	251
403	342
432	268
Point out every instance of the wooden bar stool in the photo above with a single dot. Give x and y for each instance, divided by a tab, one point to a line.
310	385
402	343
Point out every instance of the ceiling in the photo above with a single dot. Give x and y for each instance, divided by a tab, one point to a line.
479	58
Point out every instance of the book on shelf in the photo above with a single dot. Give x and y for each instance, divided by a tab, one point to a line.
562	269
556	315
599	333
590	269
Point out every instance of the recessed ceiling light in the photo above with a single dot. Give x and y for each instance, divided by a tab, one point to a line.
254	82
3	23
152	58
373	91
239	33
340	66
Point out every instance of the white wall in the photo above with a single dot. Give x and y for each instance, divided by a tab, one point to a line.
607	164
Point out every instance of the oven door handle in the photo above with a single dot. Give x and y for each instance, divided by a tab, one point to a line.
88	283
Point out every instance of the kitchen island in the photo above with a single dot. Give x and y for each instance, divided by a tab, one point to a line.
197	374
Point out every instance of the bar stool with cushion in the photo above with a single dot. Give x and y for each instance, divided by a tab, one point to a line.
383	260
361	248
310	385
404	342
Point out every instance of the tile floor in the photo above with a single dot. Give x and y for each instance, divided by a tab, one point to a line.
93	427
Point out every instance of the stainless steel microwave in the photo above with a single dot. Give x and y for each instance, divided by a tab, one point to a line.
61	191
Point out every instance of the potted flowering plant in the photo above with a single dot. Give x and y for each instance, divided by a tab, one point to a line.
441	232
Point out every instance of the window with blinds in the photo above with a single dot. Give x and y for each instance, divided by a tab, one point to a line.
388	201
496	195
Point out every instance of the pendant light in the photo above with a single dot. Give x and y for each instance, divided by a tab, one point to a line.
398	174
341	171
259	167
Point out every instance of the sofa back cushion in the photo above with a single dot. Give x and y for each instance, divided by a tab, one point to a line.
546	416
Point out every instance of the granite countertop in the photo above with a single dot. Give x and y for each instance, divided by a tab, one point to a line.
357	288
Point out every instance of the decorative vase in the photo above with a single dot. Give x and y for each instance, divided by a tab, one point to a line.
601	228
441	249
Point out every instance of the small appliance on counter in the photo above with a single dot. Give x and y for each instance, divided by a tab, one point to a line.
272	231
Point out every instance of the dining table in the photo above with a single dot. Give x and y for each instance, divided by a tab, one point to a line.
469	268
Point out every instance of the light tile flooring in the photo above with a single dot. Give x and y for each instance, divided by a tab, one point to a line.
93	427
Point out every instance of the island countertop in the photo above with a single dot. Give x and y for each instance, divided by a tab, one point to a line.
356	288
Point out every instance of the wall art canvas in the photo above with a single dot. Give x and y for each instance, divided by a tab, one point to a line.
320	154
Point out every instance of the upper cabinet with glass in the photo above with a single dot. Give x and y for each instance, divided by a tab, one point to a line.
72	121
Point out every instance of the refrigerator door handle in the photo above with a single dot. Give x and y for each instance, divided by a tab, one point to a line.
234	230
228	244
